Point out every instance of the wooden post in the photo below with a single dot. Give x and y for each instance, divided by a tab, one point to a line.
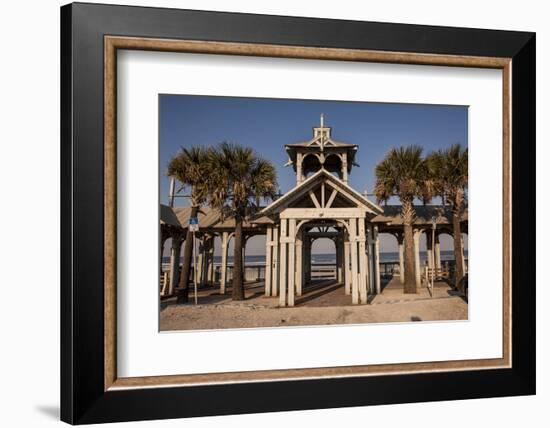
291	261
376	260
299	177
223	280
339	258
347	269
282	263
307	258
299	262
268	263
345	167
354	270
363	266
275	261
211	261
401	260
174	265
417	256
429	249
437	252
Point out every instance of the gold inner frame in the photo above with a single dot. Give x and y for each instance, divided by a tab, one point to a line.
113	43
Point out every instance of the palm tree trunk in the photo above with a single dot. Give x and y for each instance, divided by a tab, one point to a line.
407	212
183	287
457	235
238	288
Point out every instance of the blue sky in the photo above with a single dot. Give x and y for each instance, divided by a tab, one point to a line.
269	124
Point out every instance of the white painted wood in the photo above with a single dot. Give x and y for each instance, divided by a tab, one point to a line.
331	198
323	194
275	268
268	262
376	260
291	262
363	266
282	263
354	267
323	213
429	249
437	253
401	262
299	262
174	265
339	259
417	257
211	250
370	251
348	192
347	269
200	263
225	244
345	167
314	199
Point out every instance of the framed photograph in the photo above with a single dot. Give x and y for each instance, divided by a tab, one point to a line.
267	213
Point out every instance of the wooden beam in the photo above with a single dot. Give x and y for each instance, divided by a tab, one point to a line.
314	199
331	198
323	213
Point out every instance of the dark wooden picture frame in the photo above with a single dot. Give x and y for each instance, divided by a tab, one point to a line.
90	389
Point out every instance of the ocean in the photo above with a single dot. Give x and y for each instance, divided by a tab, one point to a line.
387	257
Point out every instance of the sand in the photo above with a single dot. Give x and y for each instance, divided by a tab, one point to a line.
327	309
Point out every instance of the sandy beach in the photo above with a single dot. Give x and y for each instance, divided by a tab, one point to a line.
325	305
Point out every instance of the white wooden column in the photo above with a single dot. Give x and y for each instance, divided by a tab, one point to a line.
347	269
339	259
174	265
345	167
282	263
370	252
401	260
291	261
299	262
307	276
354	270
363	264
268	260
275	262
299	177
225	244
437	251
211	249
245	238
376	259
416	239
429	249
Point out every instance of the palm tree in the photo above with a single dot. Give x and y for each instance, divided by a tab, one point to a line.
402	173
238	179
189	167
448	170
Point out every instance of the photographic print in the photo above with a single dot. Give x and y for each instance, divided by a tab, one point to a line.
289	212
292	192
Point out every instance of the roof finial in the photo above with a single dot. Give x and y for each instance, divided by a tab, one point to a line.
322	120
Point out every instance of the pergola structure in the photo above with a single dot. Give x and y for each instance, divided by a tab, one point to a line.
321	205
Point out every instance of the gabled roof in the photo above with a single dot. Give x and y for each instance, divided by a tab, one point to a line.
298	192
